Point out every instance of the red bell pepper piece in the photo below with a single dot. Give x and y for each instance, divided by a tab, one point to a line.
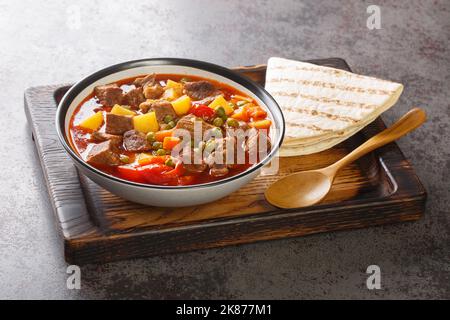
202	111
130	173
162	174
154	173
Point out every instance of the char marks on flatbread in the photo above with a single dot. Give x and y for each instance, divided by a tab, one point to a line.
323	106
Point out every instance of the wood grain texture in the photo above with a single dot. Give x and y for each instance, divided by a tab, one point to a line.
98	226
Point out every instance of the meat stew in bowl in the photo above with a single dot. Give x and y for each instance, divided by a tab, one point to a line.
169	129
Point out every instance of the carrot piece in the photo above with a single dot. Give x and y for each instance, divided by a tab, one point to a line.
160	135
259	115
151	159
256	113
170	142
241	114
261	124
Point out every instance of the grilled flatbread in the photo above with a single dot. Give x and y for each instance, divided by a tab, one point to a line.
322	103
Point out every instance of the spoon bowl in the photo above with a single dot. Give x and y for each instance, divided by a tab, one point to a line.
306	188
298	190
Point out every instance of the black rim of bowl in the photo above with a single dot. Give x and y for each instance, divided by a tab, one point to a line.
255	88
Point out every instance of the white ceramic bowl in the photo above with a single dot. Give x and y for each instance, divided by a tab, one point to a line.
167	196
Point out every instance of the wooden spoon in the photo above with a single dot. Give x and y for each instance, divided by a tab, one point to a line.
306	188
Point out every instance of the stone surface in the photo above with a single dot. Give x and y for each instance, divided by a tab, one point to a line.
45	43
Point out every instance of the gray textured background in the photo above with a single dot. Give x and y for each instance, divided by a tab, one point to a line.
39	45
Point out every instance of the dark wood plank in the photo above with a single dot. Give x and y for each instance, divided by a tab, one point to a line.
61	176
98	226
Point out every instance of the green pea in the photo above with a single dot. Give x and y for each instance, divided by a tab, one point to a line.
160	152
124	158
218	122
150	137
168	119
157	145
171	124
169	162
232	123
220	111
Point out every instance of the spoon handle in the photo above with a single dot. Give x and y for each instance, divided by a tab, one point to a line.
410	121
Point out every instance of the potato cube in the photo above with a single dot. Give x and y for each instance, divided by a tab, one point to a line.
220	101
146	122
182	105
171	94
121	111
174	85
93	122
144	158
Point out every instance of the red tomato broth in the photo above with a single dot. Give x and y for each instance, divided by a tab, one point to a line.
80	137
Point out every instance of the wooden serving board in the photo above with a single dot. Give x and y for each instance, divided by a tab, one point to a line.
98	226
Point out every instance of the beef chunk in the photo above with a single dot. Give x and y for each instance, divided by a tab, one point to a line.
151	88
188	122
199	90
145	106
118	124
98	136
218	170
148	79
108	95
135	141
153	91
104	153
134	97
162	109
